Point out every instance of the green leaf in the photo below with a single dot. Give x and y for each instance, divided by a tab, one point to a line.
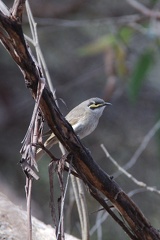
126	34
120	60
98	46
139	73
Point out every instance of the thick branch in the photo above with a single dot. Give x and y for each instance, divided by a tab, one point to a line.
82	161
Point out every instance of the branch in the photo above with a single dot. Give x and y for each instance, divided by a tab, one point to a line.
141	148
17	10
143	9
122	170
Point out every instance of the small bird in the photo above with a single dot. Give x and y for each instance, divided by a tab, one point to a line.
84	119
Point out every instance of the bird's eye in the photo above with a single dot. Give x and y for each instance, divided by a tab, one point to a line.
91	104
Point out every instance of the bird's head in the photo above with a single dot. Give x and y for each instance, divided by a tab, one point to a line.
97	105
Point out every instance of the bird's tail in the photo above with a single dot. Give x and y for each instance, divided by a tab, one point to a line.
52	140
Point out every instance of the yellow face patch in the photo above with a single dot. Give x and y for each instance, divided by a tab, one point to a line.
93	105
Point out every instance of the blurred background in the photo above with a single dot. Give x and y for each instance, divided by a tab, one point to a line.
92	48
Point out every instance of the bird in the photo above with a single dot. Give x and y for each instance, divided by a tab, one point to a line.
84	118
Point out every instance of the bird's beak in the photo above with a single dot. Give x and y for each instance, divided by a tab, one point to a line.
107	103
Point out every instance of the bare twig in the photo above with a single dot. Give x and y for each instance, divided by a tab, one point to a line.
81	206
17	9
103	203
63	196
40	145
65	23
143	9
28	150
80	199
102	216
35	42
60	226
51	185
4	9
139	183
84	209
141	148
28	188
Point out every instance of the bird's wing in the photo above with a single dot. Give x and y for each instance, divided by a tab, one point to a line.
73	118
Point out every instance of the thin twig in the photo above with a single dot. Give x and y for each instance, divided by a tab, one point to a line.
63	201
120	20
102	216
80	199
139	183
143	9
85	218
51	185
28	188
17	9
99	221
60	226
35	42
40	145
4	9
103	203
77	200
141	148
26	151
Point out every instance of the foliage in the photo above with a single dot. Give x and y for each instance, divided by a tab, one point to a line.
139	73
